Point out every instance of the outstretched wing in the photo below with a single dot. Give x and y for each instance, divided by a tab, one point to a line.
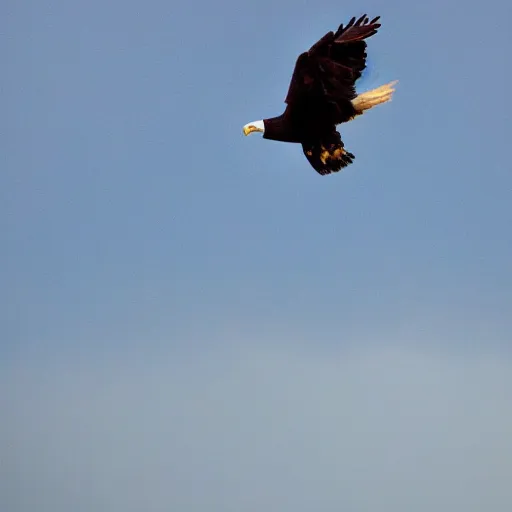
329	70
328	154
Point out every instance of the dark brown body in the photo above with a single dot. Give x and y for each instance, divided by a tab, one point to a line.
306	123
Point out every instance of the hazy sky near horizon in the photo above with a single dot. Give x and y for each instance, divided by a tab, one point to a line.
194	320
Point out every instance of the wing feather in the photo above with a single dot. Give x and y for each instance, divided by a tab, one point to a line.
329	69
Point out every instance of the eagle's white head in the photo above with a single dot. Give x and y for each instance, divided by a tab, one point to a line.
255	126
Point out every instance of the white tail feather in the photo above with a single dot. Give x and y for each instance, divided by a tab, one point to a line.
370	99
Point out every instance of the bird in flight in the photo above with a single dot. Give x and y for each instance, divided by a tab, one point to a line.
322	95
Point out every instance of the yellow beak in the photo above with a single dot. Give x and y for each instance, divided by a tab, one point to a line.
251	128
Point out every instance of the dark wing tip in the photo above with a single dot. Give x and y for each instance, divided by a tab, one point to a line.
357	29
361	20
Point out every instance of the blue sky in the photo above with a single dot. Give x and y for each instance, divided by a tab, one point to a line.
156	258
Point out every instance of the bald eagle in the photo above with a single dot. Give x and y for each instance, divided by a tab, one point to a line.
322	95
